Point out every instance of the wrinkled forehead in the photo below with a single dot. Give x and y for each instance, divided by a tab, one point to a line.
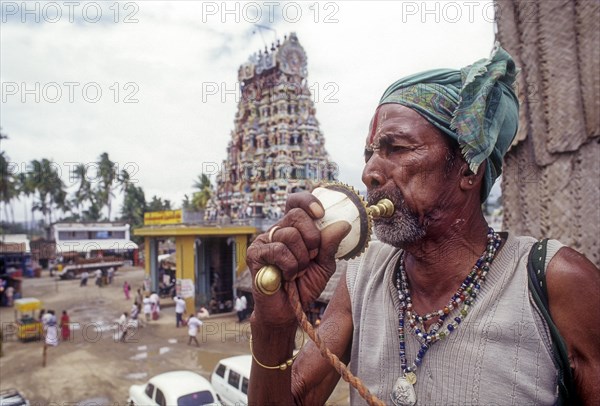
394	118
373	126
382	115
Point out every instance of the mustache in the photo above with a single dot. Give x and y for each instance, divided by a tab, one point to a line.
394	195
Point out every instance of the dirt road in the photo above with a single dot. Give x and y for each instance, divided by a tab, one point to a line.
93	367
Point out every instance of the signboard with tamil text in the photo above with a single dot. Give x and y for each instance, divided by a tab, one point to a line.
155	218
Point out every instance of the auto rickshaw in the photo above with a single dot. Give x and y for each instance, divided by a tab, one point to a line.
28	327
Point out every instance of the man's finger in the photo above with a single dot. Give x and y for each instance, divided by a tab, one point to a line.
331	236
277	254
307	202
305	224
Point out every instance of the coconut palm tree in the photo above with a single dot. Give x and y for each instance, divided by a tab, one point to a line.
44	178
26	189
61	201
94	210
204	193
134	206
39	184
8	186
158	204
124	180
108	175
84	190
8	182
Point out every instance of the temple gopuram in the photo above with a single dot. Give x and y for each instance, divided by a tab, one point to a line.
276	147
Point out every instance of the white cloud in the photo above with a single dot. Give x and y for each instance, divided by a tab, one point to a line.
178	48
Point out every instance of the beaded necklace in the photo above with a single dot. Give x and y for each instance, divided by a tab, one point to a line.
404	393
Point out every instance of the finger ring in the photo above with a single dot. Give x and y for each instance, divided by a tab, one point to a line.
268	280
275	228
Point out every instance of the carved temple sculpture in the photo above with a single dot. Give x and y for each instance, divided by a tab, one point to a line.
276	147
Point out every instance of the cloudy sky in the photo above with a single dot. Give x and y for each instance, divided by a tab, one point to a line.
153	83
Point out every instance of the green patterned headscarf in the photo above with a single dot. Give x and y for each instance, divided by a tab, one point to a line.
475	106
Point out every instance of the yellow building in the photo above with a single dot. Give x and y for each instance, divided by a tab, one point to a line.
209	259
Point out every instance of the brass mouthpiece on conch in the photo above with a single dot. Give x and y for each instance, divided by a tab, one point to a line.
383	208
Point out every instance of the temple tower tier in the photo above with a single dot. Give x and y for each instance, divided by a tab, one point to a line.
276	147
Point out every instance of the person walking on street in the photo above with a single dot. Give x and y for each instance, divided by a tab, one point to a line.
84	278
147	306
139	297
136	309
194	324
98	278
126	289
65	326
50	333
239	308
244	306
155	306
10	293
111	274
179	310
122	328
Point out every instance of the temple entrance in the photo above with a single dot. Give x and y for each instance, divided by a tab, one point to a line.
215	274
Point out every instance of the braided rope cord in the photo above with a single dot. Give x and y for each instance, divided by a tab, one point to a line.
339	366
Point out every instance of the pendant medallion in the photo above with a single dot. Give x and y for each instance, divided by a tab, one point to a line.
404	392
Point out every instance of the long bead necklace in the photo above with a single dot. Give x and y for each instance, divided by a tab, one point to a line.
404	392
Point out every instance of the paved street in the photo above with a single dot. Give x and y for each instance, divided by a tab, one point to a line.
93	367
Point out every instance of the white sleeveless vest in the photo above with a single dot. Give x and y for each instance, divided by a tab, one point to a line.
499	355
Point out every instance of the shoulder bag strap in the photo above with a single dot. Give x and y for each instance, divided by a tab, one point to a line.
536	268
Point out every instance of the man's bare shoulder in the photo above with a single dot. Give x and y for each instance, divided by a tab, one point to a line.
573	283
570	266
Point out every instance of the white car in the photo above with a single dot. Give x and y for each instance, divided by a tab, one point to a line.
176	388
12	397
231	378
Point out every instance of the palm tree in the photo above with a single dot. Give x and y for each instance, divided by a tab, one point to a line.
204	193
8	188
36	180
8	182
84	189
45	180
134	206
61	201
94	210
133	209
124	180
26	189
157	204
108	175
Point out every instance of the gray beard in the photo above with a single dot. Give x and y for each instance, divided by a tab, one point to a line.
400	229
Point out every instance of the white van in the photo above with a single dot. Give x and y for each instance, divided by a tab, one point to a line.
231	378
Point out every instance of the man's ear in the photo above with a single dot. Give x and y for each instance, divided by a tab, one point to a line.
470	180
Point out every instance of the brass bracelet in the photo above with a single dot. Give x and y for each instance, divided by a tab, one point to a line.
283	366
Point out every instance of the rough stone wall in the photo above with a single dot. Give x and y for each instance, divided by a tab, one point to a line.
551	184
